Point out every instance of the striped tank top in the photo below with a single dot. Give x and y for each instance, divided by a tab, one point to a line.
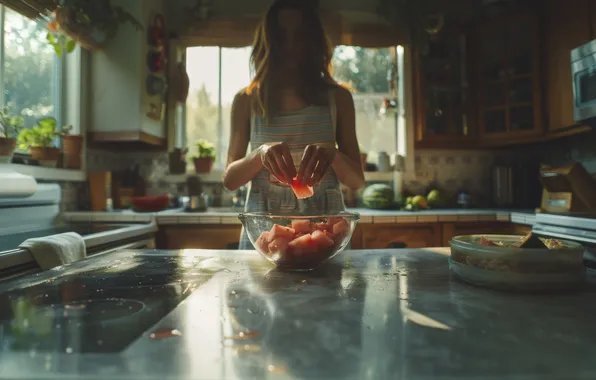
310	125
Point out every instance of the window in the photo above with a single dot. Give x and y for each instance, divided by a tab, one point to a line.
373	75
30	70
216	75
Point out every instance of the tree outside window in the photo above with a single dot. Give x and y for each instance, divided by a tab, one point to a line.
30	68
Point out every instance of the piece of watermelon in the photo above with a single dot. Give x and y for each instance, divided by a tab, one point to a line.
303	244
341	228
322	239
301	191
281	231
279	245
302	226
263	241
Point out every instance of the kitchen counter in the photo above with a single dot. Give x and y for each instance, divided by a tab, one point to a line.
228	216
386	314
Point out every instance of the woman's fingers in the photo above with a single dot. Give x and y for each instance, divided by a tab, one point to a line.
308	164
270	162
287	157
319	172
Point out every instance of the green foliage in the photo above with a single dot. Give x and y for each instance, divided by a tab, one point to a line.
29	68
205	149
90	17
10	125
41	135
364	70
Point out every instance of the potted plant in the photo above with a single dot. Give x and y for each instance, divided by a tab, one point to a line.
90	24
39	142
72	147
10	126
205	156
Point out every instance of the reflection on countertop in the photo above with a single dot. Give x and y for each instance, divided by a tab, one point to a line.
386	314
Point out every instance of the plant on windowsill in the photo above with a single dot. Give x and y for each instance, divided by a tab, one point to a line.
72	147
90	24
10	126
39	142
205	156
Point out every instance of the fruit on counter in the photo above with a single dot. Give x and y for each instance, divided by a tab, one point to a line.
303	237
378	196
420	202
301	191
435	198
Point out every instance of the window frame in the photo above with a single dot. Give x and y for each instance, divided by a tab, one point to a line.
70	98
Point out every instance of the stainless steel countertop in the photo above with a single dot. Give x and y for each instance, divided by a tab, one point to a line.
385	314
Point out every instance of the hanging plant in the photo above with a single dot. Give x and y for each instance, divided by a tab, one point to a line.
90	24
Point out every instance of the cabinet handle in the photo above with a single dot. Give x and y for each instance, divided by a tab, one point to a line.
397	244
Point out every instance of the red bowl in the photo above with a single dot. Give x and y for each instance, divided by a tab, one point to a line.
150	204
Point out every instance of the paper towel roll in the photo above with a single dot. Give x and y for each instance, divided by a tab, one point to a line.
15	185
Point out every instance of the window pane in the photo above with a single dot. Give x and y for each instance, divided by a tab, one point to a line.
202	106
368	73
29	68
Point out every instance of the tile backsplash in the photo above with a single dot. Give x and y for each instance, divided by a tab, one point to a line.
452	170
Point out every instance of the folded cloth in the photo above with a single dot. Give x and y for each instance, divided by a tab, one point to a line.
55	250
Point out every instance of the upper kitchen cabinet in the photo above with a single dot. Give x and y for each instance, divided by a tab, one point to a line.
508	78
127	105
442	92
566	27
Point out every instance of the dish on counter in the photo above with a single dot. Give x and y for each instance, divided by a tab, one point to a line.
516	261
299	242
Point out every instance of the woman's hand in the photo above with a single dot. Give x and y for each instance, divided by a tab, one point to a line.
277	159
315	162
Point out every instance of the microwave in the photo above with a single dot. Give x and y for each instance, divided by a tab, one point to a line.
583	71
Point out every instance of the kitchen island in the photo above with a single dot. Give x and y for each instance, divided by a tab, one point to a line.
370	314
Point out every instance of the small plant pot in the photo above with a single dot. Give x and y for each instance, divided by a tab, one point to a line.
7	147
363	157
45	155
203	164
72	147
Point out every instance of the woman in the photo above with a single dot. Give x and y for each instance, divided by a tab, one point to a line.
298	120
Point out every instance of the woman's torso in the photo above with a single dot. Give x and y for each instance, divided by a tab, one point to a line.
312	124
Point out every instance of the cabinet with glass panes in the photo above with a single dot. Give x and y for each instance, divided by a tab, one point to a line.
442	91
508	78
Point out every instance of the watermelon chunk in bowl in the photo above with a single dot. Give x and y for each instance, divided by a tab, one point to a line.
298	242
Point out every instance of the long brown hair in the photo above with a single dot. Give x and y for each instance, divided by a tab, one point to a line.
268	54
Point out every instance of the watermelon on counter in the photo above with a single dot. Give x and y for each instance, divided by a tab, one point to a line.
378	196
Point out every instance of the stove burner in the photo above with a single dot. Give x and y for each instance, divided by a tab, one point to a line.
98	311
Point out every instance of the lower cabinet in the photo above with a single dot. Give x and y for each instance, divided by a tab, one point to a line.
199	236
366	236
415	235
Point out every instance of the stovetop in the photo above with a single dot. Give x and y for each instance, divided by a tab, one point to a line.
13	240
101	310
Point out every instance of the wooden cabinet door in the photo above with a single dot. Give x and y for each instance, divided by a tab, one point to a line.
379	236
509	83
566	27
474	228
198	236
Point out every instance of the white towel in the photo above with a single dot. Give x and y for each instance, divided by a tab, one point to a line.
55	250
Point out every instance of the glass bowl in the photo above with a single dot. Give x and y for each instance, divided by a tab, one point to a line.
299	242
